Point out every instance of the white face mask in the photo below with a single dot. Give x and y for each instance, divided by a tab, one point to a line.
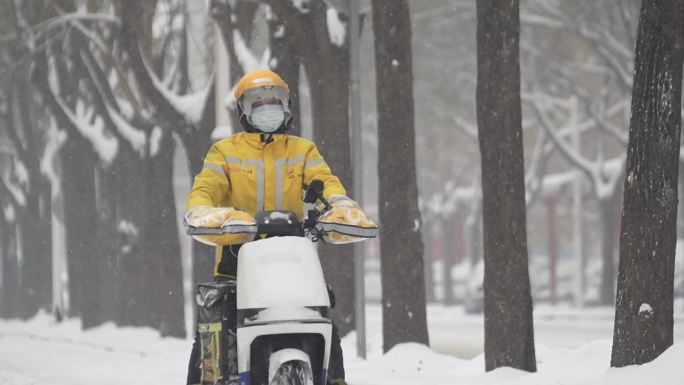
268	117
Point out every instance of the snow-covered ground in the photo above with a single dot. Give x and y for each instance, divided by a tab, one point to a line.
573	347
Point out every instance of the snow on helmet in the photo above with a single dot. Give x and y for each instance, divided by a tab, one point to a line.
259	88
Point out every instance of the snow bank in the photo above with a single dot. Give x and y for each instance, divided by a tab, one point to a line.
416	364
41	351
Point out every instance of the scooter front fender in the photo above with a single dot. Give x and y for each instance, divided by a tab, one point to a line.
246	336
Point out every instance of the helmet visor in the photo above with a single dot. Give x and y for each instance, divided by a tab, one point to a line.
259	96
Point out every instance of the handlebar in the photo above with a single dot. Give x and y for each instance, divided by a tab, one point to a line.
274	223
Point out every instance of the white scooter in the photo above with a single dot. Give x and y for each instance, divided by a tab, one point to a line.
284	329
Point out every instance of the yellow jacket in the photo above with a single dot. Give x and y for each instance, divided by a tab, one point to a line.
244	172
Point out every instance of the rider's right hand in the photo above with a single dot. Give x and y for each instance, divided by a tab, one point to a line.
237	226
207	216
213	217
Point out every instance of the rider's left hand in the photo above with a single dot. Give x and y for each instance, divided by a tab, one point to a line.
346	221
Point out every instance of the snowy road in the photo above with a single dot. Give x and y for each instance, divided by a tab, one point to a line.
572	347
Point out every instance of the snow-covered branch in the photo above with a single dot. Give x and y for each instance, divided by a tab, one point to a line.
112	62
134	136
12	192
603	174
337	29
11	124
89	125
616	62
68	18
55	138
600	115
191	105
178	112
540	20
590	168
248	60
536	169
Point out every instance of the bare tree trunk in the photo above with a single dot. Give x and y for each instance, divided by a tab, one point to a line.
231	19
327	70
36	267
401	246
10	293
326	65
644	309
107	288
196	147
163	242
80	215
203	258
285	61
158	240
136	267
34	218
509	333
78	187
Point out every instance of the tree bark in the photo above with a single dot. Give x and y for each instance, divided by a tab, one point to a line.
105	267
401	246
509	334
34	219
77	185
644	309
326	65
80	215
161	251
203	258
163	243
36	267
10	293
196	147
230	19
285	61
136	302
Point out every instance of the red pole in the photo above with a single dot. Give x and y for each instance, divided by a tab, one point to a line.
459	239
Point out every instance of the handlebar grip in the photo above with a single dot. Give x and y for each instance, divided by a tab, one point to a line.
204	230
230	229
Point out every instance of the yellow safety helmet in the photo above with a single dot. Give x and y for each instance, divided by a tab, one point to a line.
259	78
261	87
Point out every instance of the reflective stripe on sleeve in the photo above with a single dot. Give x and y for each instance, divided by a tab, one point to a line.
216	167
313	162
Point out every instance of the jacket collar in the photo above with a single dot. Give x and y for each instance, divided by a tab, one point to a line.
256	140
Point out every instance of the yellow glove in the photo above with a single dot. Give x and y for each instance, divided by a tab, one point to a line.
231	226
346	222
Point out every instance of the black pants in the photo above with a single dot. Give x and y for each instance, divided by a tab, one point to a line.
228	266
